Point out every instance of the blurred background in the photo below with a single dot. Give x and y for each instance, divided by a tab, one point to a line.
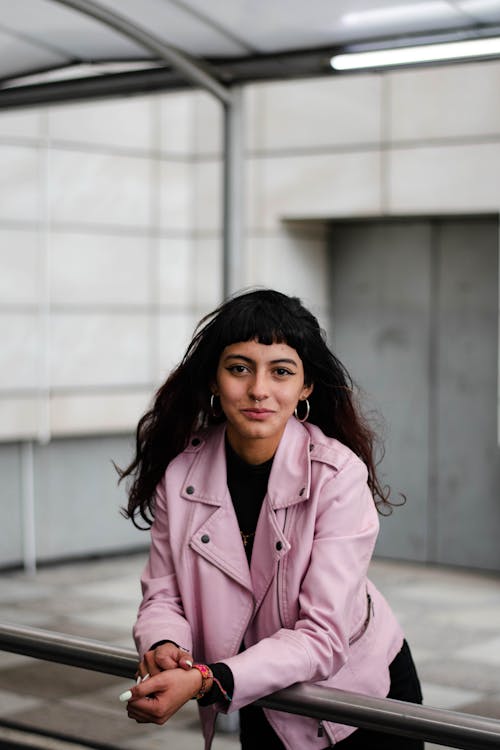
133	199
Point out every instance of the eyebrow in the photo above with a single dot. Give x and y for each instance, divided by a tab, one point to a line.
280	360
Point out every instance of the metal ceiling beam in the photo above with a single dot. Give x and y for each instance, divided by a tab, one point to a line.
92	87
279	66
192	69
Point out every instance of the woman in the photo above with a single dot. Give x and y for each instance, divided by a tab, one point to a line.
259	472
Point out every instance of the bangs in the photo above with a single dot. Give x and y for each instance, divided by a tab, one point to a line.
265	316
264	323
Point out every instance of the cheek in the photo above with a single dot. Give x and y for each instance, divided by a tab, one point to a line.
228	390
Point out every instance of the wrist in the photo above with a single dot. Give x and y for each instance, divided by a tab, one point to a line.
207	680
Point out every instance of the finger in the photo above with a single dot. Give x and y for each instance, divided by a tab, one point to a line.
186	662
146	666
145	689
150	664
164	660
150	711
140	716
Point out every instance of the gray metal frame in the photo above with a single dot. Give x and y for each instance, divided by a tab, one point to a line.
448	728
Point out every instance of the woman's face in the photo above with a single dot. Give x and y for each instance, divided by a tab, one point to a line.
259	386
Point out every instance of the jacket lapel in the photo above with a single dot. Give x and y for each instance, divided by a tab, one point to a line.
217	538
289	484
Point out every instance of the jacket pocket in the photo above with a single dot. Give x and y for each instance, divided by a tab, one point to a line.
364	625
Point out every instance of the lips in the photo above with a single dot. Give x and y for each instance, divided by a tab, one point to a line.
257	413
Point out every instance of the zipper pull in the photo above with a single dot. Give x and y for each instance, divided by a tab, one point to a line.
321	730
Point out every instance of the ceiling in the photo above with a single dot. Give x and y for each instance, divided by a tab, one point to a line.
74	54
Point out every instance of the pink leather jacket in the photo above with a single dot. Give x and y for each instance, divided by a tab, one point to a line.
304	608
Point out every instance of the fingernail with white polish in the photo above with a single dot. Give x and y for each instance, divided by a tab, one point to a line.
126	696
189	662
146	677
139	679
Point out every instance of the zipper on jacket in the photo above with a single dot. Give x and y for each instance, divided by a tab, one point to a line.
322	733
278	578
364	626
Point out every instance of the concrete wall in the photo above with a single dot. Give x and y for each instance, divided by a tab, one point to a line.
110	222
108	255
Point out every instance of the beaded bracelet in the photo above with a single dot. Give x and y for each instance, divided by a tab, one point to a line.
206	675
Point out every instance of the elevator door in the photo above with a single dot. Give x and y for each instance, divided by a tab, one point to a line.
414	317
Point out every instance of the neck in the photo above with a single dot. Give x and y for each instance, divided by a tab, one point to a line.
252	451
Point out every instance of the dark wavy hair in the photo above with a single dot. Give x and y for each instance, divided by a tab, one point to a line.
182	405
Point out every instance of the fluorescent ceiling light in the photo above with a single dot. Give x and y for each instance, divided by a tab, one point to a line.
419	54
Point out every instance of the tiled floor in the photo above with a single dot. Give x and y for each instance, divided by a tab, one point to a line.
451	618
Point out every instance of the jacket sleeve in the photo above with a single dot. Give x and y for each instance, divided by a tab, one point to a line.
345	532
161	614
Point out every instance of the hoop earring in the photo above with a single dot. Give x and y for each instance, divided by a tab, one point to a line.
306	415
213	411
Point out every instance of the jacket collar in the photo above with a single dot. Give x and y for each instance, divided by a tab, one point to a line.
289	481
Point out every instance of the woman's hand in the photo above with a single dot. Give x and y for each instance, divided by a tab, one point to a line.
166	656
158	698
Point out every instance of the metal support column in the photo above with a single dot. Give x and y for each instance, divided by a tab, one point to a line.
233	194
28	507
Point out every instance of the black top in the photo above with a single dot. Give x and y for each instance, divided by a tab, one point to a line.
247	484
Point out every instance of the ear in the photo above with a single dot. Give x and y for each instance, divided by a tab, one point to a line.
213	389
306	392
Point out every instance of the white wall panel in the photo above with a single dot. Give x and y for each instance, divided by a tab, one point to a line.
100	188
19	267
292	262
174	332
118	123
19	352
314	113
445	102
99	269
176	271
21	123
176	124
18	418
90	412
319	185
206	272
19	183
208	124
176	196
207	178
433	180
98	349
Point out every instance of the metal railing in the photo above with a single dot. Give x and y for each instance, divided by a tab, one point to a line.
443	727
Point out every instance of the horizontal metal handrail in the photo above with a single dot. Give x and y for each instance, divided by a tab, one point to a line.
448	728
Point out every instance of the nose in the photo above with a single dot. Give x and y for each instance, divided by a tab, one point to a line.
258	389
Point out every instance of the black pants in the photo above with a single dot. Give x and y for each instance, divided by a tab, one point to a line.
257	734
405	686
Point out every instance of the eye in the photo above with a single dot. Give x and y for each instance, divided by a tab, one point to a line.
283	372
237	369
